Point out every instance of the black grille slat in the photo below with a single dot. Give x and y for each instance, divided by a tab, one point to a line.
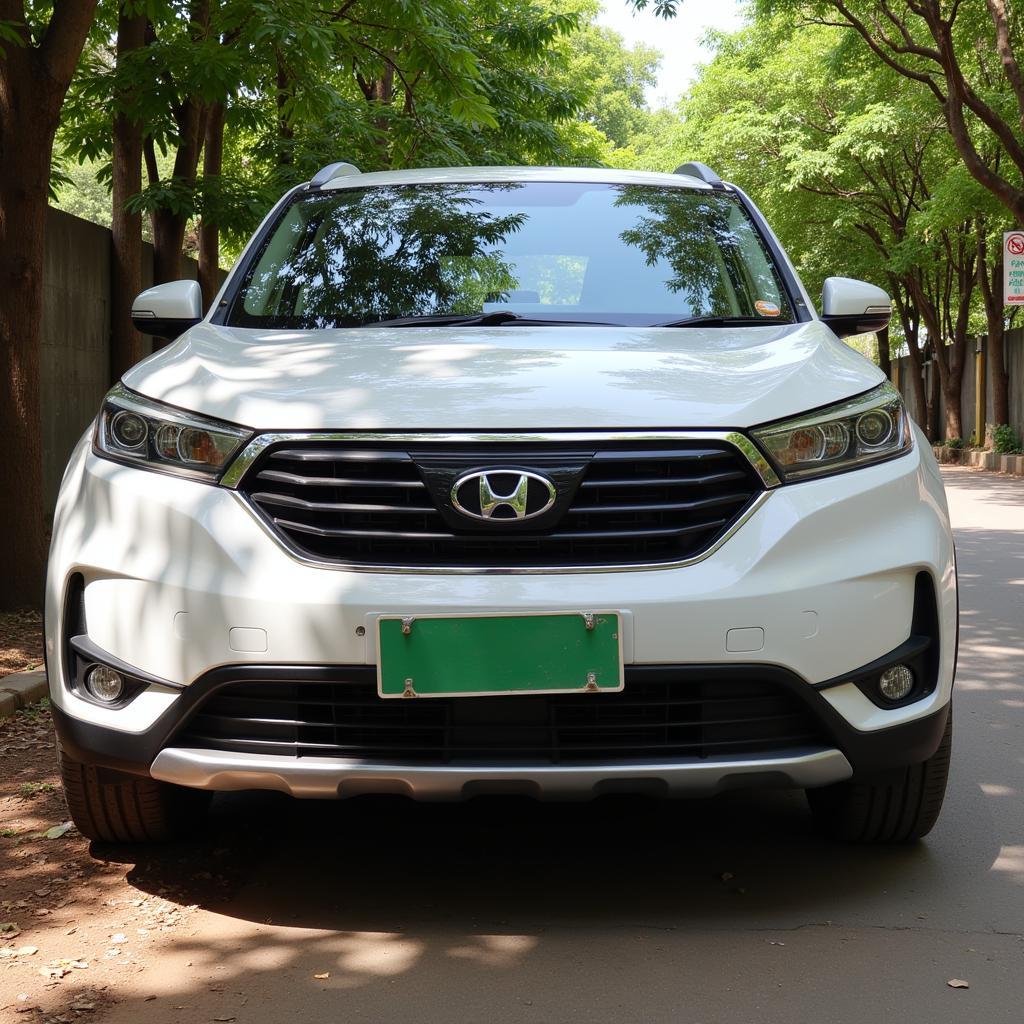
603	534
319	454
242	720
288	501
661	481
677	506
376	503
282	476
675	716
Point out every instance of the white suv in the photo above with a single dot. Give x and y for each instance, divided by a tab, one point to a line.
491	480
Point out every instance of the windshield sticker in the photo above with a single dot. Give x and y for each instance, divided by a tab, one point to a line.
766	308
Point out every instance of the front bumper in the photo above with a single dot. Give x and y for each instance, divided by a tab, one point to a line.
325	778
180	579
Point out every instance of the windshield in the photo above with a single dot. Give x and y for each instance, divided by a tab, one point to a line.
550	251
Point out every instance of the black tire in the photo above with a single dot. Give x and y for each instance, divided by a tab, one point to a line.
897	807
126	809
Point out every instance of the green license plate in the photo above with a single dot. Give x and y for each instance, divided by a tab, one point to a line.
473	656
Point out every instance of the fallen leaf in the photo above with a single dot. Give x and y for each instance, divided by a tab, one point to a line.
9	930
322	977
54	972
119	938
958	983
12	951
59	830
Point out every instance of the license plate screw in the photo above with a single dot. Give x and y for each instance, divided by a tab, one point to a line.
591	686
408	691
406	627
588	620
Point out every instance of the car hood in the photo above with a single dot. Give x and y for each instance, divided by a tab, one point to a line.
504	378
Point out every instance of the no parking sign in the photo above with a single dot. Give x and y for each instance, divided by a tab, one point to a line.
1013	268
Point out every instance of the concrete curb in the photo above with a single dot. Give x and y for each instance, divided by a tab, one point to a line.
992	461
20	689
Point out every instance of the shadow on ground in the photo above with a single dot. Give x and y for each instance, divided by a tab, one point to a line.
505	909
386	864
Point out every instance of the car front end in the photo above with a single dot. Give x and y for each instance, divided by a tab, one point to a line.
341	560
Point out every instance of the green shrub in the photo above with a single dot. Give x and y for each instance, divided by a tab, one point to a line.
1004	440
954	442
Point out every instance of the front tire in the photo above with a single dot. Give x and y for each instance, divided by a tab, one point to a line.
898	807
128	809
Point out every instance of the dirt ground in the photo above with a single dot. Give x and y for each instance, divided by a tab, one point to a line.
74	930
21	641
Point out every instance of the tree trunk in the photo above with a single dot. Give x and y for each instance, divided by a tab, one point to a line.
25	148
168	241
949	361
283	96
126	347
920	398
168	226
190	118
951	392
910	321
884	355
209	231
33	82
990	280
933	432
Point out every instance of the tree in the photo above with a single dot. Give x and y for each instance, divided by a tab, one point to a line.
990	284
923	41
851	165
967	59
615	78
37	62
248	97
126	182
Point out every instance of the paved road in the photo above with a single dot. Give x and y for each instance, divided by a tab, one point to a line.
729	910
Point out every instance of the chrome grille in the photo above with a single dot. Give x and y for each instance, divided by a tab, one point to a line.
388	504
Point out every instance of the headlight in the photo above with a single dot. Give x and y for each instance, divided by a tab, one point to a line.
855	433
148	434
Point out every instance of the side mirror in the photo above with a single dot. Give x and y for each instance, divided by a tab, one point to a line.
854	307
168	310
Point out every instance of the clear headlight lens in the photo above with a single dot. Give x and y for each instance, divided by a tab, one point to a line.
142	432
854	433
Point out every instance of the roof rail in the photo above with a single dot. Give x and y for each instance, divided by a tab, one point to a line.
695	169
332	171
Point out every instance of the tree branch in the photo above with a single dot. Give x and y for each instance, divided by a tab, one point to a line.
1004	47
64	38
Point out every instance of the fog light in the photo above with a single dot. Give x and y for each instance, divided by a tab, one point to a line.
104	683
896	682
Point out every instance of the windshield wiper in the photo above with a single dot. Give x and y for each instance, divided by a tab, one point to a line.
496	318
722	321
